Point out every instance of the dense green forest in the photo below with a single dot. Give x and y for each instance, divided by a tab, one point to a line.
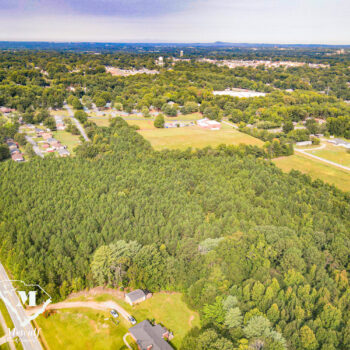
262	255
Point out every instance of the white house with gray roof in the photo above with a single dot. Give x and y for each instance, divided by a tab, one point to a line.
137	296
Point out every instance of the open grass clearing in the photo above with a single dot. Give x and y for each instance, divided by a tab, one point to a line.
100	121
166	308
196	137
82	328
316	169
67	139
333	153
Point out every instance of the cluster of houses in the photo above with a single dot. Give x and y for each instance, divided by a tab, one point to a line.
256	63
50	144
16	154
148	336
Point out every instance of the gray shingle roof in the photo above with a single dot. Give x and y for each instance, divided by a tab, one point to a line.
136	294
146	335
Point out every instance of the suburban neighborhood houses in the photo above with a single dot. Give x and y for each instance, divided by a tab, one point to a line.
15	152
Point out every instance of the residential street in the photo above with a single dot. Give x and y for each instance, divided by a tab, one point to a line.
36	148
77	123
24	329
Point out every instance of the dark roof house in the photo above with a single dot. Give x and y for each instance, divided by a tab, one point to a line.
149	337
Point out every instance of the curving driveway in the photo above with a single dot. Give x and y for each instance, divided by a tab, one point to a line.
104	306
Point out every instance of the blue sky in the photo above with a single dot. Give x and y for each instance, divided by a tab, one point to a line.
255	21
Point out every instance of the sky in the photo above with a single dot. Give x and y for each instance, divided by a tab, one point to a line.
236	21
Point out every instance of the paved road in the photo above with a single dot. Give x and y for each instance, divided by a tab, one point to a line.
77	123
322	159
24	329
36	149
126	342
6	338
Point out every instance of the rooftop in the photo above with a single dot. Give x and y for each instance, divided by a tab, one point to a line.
146	334
136	295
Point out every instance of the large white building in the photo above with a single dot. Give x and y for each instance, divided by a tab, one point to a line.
209	124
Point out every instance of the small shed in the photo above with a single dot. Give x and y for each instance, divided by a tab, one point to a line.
137	296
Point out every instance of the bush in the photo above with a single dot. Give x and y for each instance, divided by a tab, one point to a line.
315	141
81	116
159	121
50	123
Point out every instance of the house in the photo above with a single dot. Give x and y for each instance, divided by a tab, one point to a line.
209	124
14	150
137	296
51	140
56	145
63	152
46	135
13	147
304	143
60	126
17	157
149	337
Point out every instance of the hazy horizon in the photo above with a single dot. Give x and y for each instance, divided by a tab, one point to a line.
323	22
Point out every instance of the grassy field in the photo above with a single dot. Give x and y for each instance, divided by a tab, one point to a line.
335	154
82	328
68	139
195	137
316	169
100	121
60	112
185	117
167	309
91	328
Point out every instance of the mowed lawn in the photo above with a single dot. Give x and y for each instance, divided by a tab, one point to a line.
68	139
194	137
82	328
167	309
333	153
100	121
316	169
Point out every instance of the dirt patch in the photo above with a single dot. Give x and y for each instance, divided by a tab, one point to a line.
190	320
97	291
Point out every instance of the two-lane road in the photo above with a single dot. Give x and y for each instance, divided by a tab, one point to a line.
23	328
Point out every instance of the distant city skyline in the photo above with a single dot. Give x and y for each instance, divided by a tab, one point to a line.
250	21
